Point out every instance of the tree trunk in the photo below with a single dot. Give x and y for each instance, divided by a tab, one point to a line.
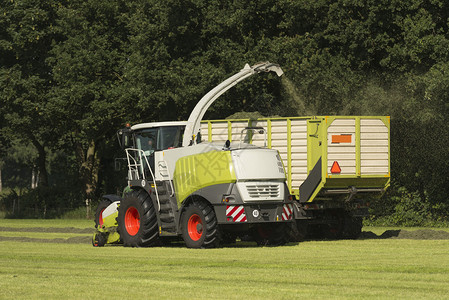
90	163
1	184
34	178
89	167
41	163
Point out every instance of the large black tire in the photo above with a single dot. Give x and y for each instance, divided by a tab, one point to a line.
137	221
200	226
334	230
100	208
352	227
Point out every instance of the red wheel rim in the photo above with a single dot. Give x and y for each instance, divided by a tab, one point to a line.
100	217
132	221
195	227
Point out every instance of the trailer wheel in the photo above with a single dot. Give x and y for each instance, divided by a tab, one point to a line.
200	226
334	228
100	208
352	227
137	221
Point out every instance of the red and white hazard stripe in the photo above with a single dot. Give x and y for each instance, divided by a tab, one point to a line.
287	212
237	212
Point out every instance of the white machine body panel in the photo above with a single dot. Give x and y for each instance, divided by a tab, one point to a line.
260	174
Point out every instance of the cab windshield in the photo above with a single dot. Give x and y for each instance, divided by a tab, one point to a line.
159	138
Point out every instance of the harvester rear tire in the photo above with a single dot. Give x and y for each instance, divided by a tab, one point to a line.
200	226
137	220
100	208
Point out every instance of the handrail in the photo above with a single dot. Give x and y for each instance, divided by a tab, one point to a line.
260	129
142	156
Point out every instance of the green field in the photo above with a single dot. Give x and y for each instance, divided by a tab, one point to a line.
43	265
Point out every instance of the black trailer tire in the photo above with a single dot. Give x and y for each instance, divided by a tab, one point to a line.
137	220
100	208
352	227
200	226
334	229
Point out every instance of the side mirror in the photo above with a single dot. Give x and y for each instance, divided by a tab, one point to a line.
124	137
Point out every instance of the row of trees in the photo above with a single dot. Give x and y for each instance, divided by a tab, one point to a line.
72	72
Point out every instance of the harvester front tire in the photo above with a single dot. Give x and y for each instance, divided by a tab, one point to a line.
200	226
100	208
137	220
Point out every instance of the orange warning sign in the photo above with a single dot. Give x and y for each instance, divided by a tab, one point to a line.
335	169
342	138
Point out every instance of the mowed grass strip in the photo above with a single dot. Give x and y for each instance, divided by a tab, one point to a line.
29	230
57	223
42	235
380	230
389	268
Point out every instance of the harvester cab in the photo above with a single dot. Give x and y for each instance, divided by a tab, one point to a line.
202	192
147	139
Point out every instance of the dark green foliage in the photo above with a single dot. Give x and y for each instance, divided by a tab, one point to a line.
399	207
40	203
25	41
73	72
